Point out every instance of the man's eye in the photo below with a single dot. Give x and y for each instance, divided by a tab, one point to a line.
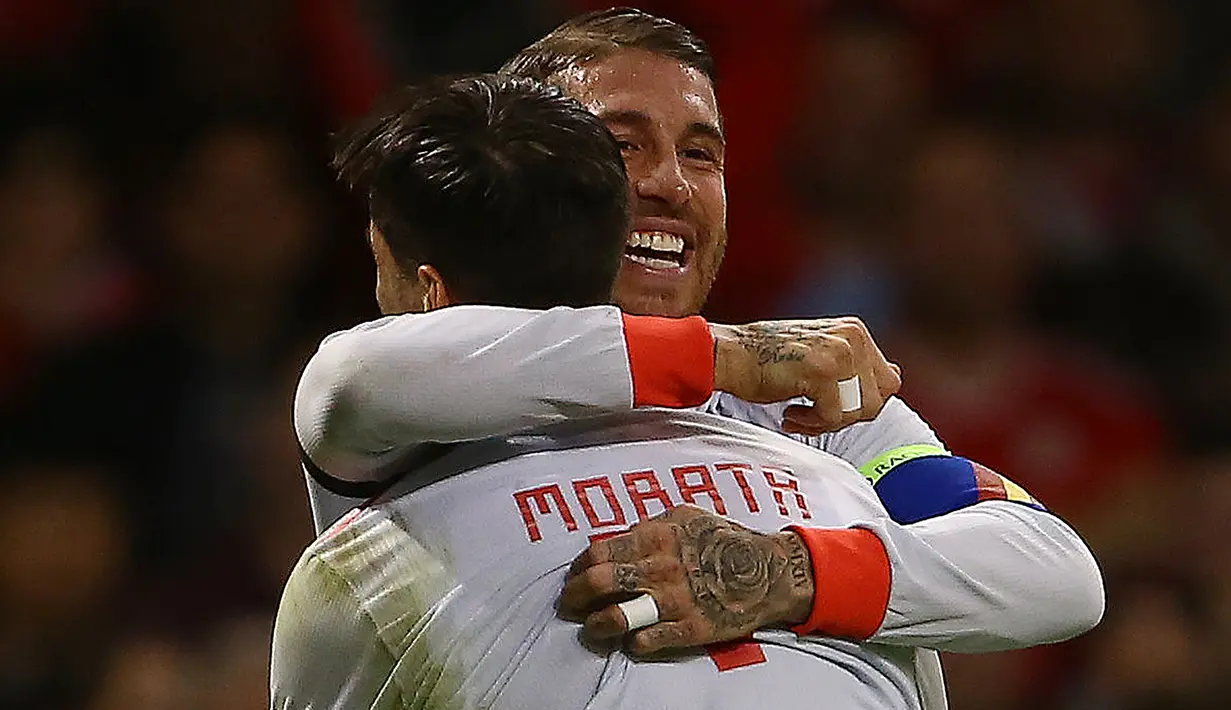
625	145
699	154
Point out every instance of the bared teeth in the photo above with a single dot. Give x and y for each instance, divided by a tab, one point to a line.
654	263
658	241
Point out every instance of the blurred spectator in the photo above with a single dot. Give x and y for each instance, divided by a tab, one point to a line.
310	54
1100	76
166	401
239	246
150	672
1151	651
269	527
60	281
858	117
844	160
1187	265
161	56
235	665
424	38
64	558
1099	60
1056	419
162	265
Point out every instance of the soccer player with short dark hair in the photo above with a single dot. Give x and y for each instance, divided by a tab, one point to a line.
484	180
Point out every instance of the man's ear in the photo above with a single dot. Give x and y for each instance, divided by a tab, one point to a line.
435	292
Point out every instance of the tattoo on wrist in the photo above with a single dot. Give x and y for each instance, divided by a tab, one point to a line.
803	586
800	562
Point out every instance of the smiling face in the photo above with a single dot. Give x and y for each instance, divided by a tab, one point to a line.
665	116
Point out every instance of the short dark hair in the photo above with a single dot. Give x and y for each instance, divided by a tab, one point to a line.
596	35
512	190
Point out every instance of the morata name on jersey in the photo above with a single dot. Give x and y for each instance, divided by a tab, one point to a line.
609	504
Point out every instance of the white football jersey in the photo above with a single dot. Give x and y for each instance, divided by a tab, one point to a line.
386	397
442	594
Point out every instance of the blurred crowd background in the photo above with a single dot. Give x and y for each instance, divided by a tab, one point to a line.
1028	200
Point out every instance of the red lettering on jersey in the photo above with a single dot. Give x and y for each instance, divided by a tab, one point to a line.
779	487
738	470
653	491
730	655
582	489
689	492
539	496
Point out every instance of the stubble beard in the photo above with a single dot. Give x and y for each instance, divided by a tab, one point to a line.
669	304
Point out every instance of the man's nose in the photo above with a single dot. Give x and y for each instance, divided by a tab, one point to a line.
665	181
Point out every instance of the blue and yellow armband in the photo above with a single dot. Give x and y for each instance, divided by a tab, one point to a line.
920	482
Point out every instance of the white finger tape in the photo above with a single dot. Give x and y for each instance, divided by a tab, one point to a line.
849	396
639	612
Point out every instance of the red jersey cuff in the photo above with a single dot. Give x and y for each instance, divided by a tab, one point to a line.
851	569
671	360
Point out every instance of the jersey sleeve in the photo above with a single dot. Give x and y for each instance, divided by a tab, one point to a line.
372	394
914	475
865	445
326	651
868	446
941	572
353	627
992	577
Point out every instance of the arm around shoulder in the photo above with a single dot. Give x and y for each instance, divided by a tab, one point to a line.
992	577
469	372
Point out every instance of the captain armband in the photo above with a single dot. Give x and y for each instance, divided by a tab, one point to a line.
876	469
919	482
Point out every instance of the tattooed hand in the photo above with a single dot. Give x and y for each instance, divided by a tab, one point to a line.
772	361
713	580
